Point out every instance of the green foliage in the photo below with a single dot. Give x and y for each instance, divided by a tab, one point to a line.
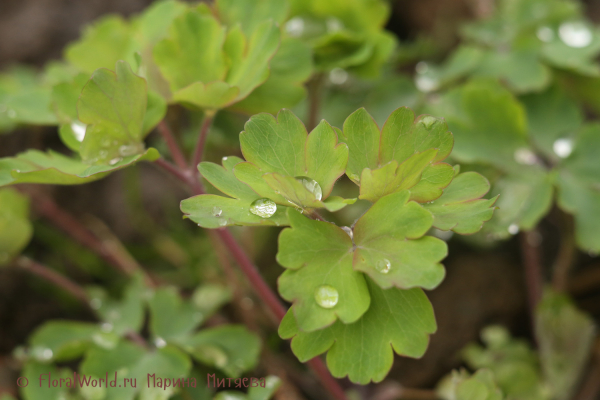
272	383
15	227
461	386
347	281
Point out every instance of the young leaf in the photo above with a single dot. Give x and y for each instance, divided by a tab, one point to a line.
323	262
113	104
397	321
170	316
399	156
54	168
15	227
461	386
212	211
231	348
461	207
62	340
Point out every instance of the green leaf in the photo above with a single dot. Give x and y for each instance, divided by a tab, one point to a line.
565	337
488	123
578	187
210	68
170	316
319	255
113	105
36	390
461	386
62	340
323	263
212	211
398	320
272	383
124	315
579	59
153	24
461	207
15	227
231	348
396	158
251	13
103	44
56	169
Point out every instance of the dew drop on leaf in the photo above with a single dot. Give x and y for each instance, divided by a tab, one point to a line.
96	303
263	208
428	121
513	229
326	296
129	150
545	34
114	161
311	185
295	27
78	130
525	156
338	76
575	34
160	342
383	266
563	147
216	212
426	84
348	230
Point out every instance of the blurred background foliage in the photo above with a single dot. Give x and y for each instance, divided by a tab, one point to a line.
518	82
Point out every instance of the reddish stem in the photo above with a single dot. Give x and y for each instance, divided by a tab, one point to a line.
199	151
53	277
174	148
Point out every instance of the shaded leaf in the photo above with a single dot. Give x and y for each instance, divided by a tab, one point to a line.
15	227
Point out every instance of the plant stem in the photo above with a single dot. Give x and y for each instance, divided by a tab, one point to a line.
199	151
174	148
566	256
173	170
53	277
530	254
247	266
71	226
314	100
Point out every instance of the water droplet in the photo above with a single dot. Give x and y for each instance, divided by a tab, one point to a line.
545	34
264	208
106	327
428	121
348	230
216	212
129	150
338	76
12	114
575	34
326	296
224	158
383	266
563	147
426	84
444	235
525	156
513	229
114	161
354	177
41	353
96	303
334	25
295	27
106	340
422	67
160	342
311	185
78	129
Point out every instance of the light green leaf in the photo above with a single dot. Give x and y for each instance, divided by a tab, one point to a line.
318	256
251	13
362	136
385	252
461	386
461	207
398	320
45	391
103	44
62	340
15	227
170	316
565	337
434	179
113	105
578	183
56	169
231	348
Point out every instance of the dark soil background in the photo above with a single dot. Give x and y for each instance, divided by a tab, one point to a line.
481	288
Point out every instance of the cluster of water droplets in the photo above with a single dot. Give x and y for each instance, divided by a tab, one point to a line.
326	296
576	34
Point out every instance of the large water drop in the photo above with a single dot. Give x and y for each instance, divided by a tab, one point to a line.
311	185
563	147
326	296
383	266
263	208
575	34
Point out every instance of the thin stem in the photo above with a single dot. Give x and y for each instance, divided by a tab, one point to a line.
567	254
71	226
314	100
53	277
174	148
530	254
332	386
199	151
173	170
